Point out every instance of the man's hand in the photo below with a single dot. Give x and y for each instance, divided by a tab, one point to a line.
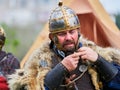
87	53
71	61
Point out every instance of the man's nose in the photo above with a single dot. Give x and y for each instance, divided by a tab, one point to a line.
68	36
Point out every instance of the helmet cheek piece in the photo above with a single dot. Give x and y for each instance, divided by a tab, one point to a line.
56	42
55	39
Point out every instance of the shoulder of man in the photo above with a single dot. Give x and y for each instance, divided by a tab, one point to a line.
10	60
41	55
8	63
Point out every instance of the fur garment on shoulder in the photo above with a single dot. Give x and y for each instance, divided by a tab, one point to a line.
31	77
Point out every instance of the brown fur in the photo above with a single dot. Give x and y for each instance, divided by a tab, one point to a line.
32	75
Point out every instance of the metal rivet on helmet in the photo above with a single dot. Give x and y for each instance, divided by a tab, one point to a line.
63	18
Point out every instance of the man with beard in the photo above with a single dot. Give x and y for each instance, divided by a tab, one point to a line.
68	61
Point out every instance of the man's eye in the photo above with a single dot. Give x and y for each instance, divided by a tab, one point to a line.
61	34
72	31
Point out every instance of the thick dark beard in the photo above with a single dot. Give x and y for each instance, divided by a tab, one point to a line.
70	51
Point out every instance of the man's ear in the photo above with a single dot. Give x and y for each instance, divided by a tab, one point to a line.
53	38
50	36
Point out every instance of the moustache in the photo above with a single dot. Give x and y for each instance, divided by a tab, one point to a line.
68	42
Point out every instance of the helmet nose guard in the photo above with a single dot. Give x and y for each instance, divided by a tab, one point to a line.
63	18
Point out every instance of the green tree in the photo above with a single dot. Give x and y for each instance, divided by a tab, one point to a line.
11	42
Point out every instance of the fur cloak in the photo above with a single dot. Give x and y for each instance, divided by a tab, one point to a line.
32	75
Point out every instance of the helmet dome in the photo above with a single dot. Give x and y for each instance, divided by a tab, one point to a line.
63	18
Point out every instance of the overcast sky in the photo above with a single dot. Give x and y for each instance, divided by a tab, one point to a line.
112	6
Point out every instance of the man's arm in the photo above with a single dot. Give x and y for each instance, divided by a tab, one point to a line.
115	82
55	77
109	72
106	70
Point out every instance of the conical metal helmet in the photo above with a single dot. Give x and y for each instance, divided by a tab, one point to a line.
63	18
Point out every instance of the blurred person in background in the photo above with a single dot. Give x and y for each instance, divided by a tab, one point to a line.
8	62
68	61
